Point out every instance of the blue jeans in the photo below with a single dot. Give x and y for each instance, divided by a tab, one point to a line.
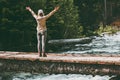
41	37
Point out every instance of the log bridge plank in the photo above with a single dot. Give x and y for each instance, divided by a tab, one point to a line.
62	63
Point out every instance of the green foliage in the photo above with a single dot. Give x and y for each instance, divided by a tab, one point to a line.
75	18
90	14
108	29
20	26
64	24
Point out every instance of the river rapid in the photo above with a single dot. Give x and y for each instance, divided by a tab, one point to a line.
29	76
107	43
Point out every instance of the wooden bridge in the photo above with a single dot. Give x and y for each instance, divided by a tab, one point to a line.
61	63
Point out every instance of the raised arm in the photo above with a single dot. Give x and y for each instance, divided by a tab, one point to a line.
52	12
32	12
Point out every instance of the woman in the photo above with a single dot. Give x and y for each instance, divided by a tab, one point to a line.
41	28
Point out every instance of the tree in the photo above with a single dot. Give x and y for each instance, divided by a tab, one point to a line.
18	27
65	22
90	14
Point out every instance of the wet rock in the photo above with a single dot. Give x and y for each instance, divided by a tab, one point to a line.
115	78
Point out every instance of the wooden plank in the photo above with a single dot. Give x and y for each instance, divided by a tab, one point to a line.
103	64
69	58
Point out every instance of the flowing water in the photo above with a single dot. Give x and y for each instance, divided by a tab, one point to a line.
29	76
106	44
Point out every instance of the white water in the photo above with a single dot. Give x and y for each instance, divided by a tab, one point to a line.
28	76
106	44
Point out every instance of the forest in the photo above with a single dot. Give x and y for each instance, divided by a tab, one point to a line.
74	19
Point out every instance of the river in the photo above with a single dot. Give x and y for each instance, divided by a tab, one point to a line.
29	76
105	44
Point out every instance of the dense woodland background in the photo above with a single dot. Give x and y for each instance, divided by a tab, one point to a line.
75	19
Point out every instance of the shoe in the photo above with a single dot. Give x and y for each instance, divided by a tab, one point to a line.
44	55
40	55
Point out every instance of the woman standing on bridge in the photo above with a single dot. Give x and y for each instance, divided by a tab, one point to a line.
41	28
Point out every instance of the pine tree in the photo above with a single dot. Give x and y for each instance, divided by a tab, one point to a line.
65	22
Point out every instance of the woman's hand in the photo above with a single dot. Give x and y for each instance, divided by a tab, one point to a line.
56	8
28	8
